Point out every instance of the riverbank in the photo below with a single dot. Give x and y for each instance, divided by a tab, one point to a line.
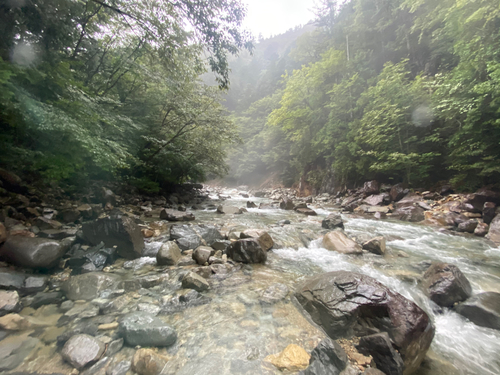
223	315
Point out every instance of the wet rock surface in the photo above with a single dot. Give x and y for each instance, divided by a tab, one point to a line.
347	303
146	330
482	309
339	242
247	251
328	358
446	285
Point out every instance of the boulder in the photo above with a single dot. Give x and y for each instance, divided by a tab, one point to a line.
43	223
482	309
397	192
377	200
489	212
89	285
332	221
410	213
468	226
286	204
247	250
376	245
175	215
371	187
148	362
481	229
379	346
201	254
494	232
480	197
11	181
193	281
169	254
339	242
264	238
141	328
9	302
228	210
328	358
3	233
350	203
446	285
85	210
251	204
293	358
11	280
274	294
38	253
121	232
306	211
346	303
81	350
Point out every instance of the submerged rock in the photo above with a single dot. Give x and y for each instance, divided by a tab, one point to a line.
347	303
143	329
339	242
446	285
482	309
81	350
148	362
89	285
121	232
292	358
33	252
194	281
274	294
247	250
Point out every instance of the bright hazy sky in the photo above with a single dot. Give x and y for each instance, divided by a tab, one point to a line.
272	17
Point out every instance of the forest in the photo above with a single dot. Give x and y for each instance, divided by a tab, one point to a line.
393	90
153	93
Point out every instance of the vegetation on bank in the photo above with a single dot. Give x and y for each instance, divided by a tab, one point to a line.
111	89
393	90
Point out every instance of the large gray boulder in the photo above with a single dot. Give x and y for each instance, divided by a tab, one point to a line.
247	250
347	304
121	232
140	328
81	350
482	309
32	252
339	242
446	285
89	285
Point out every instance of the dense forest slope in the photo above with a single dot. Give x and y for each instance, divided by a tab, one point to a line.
393	90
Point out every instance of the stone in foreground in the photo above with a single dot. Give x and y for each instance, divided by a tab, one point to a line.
140	328
328	358
339	242
194	281
122	233
148	362
482	309
169	254
33	252
89	285
293	358
446	285
247	250
81	350
347	304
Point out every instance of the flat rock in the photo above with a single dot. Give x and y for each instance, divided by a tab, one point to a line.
11	280
339	242
194	281
306	211
446	285
349	304
81	350
229	210
274	294
88	286
141	328
32	252
292	358
121	232
482	309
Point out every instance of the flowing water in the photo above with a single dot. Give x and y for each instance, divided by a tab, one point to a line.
234	331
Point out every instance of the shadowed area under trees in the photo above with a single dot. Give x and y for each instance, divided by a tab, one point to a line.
111	90
393	90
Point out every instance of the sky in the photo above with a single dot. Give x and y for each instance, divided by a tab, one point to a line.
273	17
